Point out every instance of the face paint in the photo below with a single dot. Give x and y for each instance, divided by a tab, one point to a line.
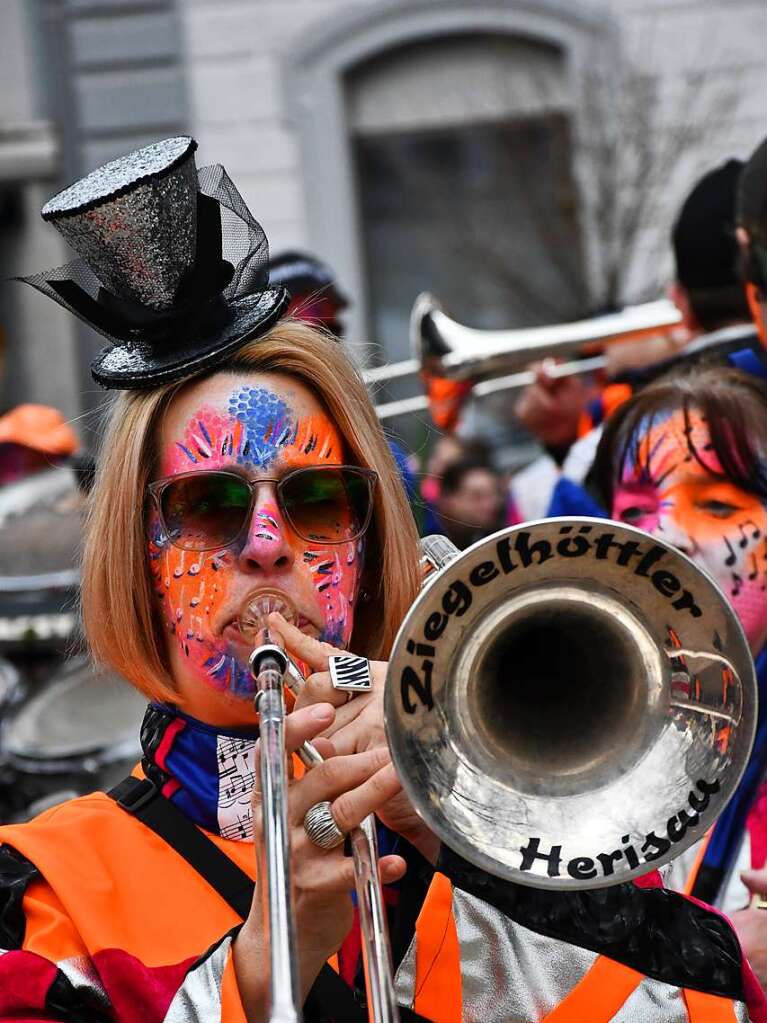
666	491
263	429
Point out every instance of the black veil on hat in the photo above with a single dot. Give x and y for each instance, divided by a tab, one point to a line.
173	269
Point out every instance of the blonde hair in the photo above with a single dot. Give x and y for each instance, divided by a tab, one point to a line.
120	613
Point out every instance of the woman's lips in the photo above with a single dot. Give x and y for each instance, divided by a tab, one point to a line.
233	634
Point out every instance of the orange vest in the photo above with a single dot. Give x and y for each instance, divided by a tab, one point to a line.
596	999
110	882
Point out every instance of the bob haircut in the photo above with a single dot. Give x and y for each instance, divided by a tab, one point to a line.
120	617
734	405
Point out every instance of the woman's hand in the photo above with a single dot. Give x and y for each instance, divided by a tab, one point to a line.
751	924
358	725
356	785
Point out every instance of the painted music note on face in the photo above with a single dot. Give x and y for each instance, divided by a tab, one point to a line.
719	523
731	557
755	532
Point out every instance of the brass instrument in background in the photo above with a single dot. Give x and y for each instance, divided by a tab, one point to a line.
495	359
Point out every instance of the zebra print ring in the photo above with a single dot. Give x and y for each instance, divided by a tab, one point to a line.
321	828
350	674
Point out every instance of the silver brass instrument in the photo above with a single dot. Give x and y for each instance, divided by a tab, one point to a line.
496	359
273	670
452	350
570	703
376	952
268	664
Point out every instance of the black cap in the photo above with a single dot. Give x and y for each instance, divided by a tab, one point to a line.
752	214
705	246
752	194
304	274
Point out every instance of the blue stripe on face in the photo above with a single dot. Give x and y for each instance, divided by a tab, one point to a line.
268	425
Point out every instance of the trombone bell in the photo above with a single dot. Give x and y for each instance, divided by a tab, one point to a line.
570	703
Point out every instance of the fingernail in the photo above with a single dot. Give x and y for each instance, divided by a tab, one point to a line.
322	711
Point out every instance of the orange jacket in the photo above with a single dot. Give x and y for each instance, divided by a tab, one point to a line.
116	918
114	895
603	990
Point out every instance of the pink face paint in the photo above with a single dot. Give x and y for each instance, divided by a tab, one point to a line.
257	432
722	527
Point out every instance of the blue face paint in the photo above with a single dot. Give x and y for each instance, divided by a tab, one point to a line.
267	425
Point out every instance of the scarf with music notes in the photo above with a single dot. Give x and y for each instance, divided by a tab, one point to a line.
207	772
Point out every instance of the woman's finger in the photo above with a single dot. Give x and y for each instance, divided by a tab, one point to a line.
329	872
352	807
324	747
318	688
337	775
307	723
300	646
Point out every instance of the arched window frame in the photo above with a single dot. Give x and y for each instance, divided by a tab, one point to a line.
316	64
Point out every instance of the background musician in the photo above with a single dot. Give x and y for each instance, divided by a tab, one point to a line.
707	290
684	460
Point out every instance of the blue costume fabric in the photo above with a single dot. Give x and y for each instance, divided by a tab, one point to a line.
725	841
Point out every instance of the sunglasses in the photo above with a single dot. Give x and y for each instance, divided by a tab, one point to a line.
207	510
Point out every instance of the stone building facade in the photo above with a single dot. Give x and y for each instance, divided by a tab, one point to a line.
521	158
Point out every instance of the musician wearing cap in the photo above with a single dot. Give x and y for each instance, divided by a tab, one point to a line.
708	292
315	296
245	496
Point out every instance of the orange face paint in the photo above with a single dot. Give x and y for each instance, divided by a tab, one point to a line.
674	487
257	431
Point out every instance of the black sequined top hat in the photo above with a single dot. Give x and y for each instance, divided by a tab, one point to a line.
173	268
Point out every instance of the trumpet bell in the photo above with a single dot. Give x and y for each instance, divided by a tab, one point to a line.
570	703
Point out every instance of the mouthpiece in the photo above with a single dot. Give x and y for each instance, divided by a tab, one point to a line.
253	618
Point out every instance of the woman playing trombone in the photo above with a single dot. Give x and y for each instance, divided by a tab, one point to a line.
244	464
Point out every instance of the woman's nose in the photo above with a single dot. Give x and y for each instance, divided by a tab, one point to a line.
672	532
267	545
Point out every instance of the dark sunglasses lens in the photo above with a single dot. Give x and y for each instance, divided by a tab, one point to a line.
327	505
205	511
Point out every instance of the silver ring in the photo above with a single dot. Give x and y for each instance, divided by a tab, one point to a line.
321	827
350	673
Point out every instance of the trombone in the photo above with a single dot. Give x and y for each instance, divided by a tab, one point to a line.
272	671
569	704
496	359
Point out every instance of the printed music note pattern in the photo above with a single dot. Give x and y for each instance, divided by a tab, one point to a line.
236	776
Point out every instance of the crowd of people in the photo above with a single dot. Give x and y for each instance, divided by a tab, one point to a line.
243	461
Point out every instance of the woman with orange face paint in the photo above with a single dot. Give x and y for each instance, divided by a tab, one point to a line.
244	463
686	460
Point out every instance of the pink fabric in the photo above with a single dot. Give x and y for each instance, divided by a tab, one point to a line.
513	514
138	993
430	488
24	982
167	742
756	822
651	880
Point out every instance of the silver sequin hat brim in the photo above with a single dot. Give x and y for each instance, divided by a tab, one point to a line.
136	366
